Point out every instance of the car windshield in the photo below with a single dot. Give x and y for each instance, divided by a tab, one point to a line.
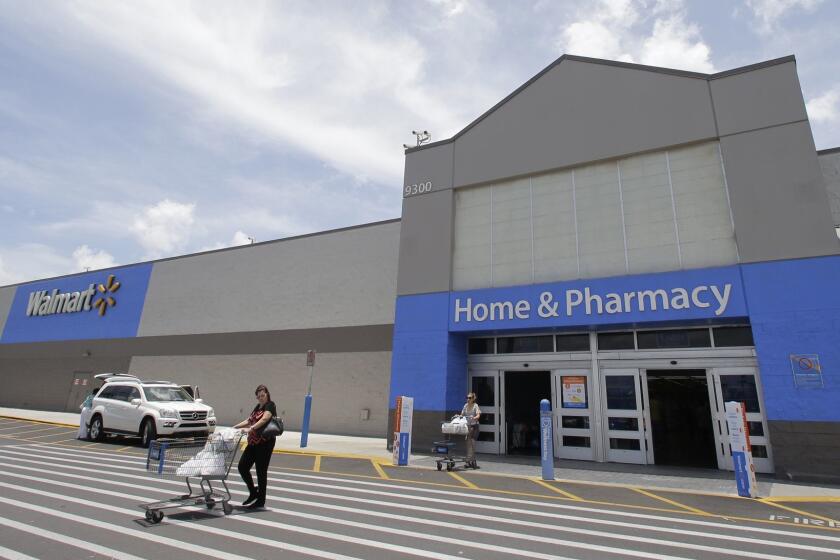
165	394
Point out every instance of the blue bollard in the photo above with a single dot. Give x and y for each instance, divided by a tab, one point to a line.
546	440
304	431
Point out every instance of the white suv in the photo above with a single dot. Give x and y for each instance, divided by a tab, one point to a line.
126	405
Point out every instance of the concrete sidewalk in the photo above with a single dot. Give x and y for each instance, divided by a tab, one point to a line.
644	476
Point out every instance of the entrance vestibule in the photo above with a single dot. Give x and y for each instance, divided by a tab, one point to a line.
621	413
681	418
522	395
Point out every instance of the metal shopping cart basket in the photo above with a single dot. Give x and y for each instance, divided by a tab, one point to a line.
445	449
207	460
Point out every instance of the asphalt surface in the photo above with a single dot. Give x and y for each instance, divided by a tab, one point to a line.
61	498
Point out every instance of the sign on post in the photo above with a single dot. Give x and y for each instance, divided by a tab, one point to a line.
403	416
307	400
739	439
546	441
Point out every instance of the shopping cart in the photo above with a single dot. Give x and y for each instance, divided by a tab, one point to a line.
206	459
445	449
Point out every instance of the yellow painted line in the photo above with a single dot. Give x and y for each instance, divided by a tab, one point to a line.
463	481
329	454
12	429
317	466
558	490
35	438
672	502
799	511
121	449
814	499
27	432
380	470
41	421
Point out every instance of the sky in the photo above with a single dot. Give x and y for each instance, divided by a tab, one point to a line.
138	130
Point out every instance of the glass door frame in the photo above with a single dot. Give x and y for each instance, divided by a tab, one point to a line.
644	455
496	446
723	450
589	411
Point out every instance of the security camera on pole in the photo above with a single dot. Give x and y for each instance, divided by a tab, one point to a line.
307	403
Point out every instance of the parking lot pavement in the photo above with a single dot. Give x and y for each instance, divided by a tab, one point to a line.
820	509
62	497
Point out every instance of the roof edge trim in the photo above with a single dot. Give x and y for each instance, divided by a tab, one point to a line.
618	64
211	251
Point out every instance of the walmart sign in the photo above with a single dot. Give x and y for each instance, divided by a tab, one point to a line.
79	307
684	295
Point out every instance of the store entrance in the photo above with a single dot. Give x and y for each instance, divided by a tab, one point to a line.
523	391
681	418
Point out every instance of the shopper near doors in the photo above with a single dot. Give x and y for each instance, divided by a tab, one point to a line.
472	413
259	449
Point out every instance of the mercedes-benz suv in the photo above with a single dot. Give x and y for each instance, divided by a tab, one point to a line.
127	405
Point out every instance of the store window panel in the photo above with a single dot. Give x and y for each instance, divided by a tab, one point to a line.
555	238
511	219
649	214
472	231
599	219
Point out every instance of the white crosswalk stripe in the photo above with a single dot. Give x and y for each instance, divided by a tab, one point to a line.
350	486
64	539
313	515
9	554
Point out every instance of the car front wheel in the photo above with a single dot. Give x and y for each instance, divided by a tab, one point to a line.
97	433
148	433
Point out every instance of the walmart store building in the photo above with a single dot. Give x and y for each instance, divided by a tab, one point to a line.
638	245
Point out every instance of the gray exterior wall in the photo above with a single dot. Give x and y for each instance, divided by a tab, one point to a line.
425	262
779	201
806	451
579	112
336	279
584	110
344	384
432	164
44	381
776	188
830	165
757	98
7	294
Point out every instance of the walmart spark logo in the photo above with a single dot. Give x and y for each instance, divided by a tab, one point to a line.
44	302
105	301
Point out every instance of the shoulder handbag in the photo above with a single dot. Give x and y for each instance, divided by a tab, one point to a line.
274	428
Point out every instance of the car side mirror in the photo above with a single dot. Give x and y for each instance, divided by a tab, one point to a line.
136	402
199	400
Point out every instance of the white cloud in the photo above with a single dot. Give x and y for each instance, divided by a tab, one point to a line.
240	238
769	12
32	261
86	258
335	91
164	228
676	44
590	38
6	277
825	108
652	33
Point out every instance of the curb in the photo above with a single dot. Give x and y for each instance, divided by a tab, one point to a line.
62	424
